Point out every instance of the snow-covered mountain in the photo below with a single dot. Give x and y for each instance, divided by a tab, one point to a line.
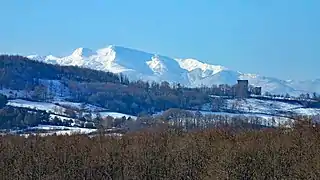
190	72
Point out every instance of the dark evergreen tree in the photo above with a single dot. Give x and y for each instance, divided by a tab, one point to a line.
3	100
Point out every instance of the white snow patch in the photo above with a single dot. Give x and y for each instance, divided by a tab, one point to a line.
62	118
61	130
269	107
48	107
115	115
81	106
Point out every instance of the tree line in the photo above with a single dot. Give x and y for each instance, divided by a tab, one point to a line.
164	153
16	118
18	72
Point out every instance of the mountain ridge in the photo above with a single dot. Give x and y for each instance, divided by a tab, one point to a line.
140	65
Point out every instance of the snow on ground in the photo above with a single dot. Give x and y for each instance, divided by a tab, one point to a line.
86	107
266	109
67	103
57	89
275	98
259	106
50	127
14	93
278	120
53	108
307	111
269	107
60	130
268	118
63	130
115	115
48	107
62	118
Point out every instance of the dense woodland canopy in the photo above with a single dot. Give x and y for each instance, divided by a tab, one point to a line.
19	118
162	153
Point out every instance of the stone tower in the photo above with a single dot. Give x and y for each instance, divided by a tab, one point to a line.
242	89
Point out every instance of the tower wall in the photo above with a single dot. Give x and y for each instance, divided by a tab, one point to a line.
242	89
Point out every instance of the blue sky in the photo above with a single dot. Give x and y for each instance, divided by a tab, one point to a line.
279	38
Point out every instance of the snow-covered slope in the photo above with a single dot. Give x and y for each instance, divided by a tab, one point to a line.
190	72
135	64
59	107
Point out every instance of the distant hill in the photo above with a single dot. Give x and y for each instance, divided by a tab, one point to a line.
139	65
43	82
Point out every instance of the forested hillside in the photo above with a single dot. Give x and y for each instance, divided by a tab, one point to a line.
19	72
105	89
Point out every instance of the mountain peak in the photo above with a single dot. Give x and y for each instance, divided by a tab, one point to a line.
106	50
137	64
192	64
83	52
35	57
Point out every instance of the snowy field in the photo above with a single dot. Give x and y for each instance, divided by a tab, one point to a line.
56	109
268	111
278	120
58	130
44	106
250	107
62	118
116	115
307	111
82	106
269	107
48	130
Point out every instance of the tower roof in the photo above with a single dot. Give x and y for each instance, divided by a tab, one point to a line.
246	81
